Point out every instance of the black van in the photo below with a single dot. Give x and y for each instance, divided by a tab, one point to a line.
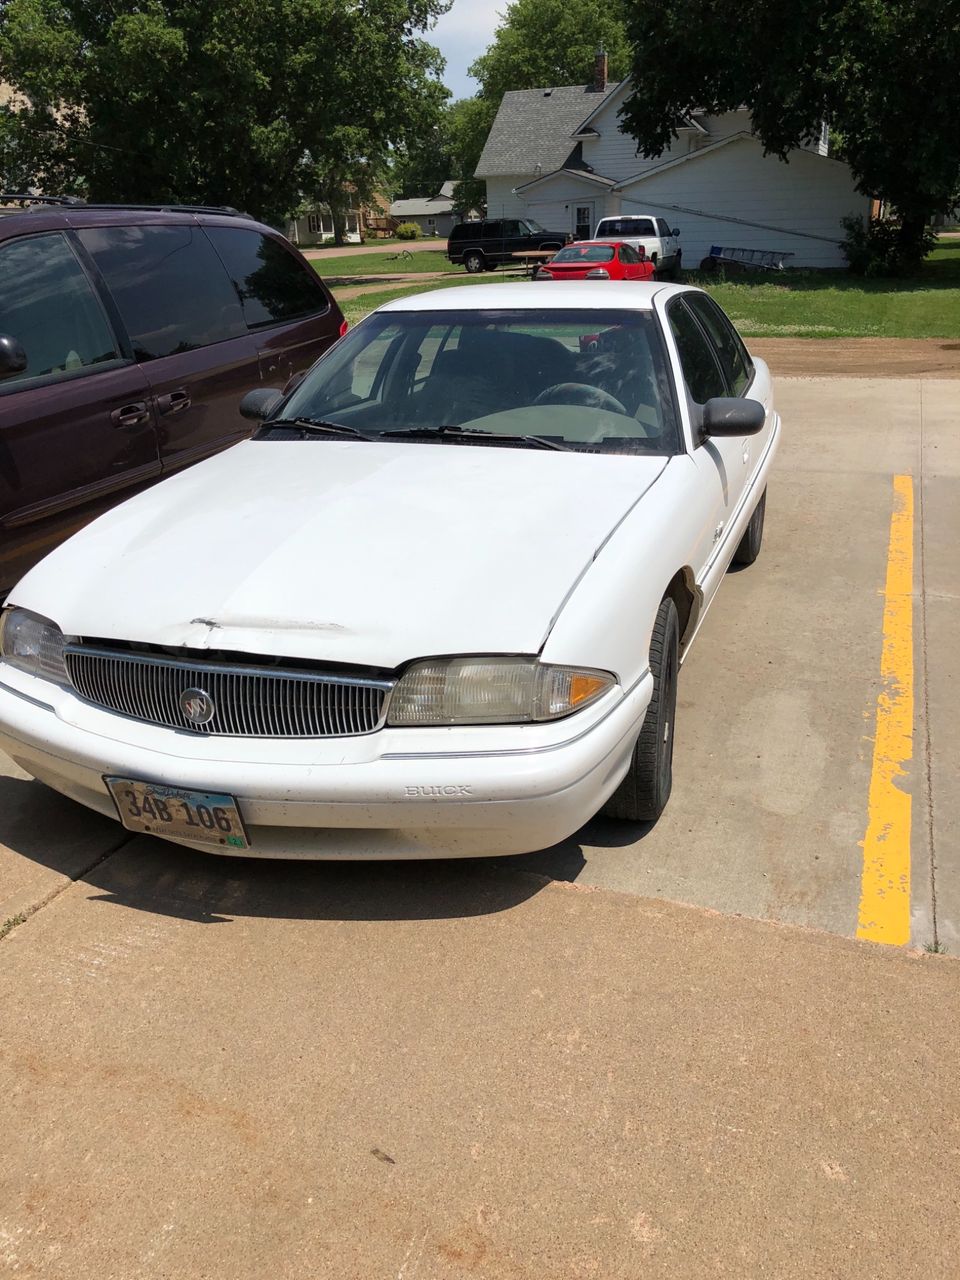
128	338
486	244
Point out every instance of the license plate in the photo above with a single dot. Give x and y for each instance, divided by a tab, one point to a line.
202	816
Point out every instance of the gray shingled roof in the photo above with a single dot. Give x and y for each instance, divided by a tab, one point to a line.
533	127
420	206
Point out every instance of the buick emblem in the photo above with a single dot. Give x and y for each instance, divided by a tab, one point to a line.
197	705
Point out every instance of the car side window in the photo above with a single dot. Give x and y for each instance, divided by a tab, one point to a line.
730	350
492	231
513	228
662	228
700	369
48	304
170	287
628	253
273	285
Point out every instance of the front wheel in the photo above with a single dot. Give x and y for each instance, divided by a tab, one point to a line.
644	792
473	262
749	546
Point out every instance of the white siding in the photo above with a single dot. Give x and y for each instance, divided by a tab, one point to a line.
722	126
808	195
614	154
501	202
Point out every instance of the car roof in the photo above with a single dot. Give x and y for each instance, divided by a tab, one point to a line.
62	217
555	295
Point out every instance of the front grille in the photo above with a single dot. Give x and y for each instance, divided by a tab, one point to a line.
248	702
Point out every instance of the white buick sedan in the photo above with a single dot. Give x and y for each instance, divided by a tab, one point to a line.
435	607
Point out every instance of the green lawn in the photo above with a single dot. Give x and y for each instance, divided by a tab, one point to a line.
833	304
802	304
385	263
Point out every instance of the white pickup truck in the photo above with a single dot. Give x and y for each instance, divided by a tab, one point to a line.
647	232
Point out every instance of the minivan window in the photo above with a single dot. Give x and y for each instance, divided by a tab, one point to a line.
49	305
170	287
272	284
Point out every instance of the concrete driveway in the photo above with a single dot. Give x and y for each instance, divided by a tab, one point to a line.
541	1066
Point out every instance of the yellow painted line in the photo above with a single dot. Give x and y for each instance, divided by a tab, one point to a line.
885	886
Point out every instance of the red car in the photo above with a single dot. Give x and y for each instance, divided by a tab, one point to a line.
597	260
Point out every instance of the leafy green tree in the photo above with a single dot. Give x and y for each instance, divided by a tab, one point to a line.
884	73
544	43
252	103
539	43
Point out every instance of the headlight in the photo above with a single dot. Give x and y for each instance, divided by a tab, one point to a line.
492	691
33	645
598	273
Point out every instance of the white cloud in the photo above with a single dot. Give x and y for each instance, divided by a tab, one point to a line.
462	35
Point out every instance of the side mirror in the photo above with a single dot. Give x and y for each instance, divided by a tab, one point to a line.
259	404
13	358
675	231
732	416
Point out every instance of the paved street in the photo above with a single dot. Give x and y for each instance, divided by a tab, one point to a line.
544	1066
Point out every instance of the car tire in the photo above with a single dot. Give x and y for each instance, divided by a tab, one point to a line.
644	792
749	546
474	262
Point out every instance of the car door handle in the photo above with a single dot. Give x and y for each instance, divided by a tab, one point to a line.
130	415
174	401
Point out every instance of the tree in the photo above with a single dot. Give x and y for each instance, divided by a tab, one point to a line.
884	73
252	103
540	43
544	43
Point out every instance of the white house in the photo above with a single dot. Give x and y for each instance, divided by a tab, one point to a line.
560	156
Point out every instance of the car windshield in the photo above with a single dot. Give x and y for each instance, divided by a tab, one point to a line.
585	253
627	227
531	224
584	379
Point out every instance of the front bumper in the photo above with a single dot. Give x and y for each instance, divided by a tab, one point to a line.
399	793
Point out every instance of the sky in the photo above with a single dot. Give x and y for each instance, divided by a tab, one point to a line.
461	35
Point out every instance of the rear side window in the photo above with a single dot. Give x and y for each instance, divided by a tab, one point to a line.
492	231
627	227
700	369
733	357
170	287
273	285
49	305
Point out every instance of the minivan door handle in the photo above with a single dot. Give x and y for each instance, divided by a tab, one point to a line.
174	401
130	415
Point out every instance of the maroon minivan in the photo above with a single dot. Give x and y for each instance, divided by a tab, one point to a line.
128	337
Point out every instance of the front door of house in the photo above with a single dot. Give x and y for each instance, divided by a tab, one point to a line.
583	220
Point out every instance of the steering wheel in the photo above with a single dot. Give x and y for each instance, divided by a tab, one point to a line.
581	393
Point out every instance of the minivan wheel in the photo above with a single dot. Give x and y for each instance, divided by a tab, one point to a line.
644	792
749	547
474	262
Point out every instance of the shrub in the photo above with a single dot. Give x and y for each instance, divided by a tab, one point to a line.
874	248
408	231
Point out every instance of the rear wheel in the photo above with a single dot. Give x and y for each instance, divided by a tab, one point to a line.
749	547
474	262
644	792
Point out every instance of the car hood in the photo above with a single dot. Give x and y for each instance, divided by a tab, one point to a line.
344	551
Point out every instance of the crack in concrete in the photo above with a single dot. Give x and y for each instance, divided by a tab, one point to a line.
8	926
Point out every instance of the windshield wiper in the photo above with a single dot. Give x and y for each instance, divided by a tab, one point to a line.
476	433
316	426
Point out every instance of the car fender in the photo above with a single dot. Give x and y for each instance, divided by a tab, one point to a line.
607	619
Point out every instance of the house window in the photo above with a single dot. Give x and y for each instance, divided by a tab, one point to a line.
320	224
431	222
583	221
353	222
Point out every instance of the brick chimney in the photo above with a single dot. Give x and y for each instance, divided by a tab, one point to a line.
599	71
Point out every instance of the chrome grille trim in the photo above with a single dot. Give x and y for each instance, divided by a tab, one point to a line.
251	702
